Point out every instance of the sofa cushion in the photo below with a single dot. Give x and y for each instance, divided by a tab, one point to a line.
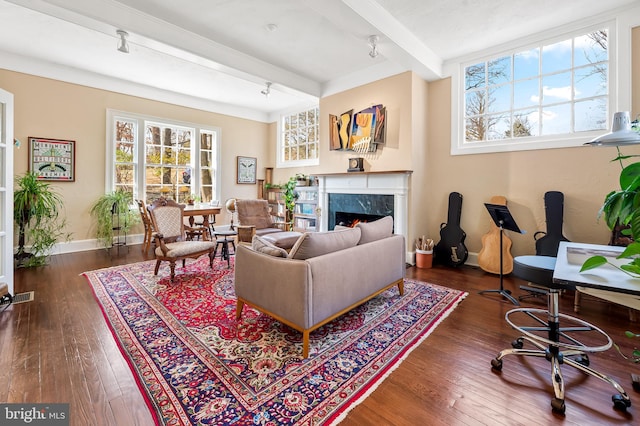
312	244
376	230
261	245
284	239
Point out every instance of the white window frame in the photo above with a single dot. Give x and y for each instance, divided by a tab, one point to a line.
140	185
619	50
280	162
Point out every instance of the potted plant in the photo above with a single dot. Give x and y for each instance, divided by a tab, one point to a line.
620	204
621	210
290	195
36	211
113	213
301	179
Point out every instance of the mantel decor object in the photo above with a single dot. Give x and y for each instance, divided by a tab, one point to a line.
356	164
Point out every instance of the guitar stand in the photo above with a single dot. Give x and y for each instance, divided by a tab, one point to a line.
503	220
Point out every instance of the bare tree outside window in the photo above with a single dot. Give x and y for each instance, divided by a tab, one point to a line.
551	89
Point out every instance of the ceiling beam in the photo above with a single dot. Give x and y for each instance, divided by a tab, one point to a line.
145	30
409	51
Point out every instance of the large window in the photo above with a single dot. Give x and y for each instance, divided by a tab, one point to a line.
299	138
149	158
550	92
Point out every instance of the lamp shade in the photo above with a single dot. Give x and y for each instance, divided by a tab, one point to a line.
620	134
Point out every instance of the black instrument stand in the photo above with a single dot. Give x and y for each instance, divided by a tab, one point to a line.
502	218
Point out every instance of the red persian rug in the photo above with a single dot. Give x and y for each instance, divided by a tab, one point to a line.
196	364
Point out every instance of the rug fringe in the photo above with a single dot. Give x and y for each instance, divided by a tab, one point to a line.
399	361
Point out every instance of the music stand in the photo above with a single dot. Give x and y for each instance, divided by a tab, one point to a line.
502	218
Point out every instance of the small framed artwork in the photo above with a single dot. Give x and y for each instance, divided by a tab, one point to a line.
247	169
53	159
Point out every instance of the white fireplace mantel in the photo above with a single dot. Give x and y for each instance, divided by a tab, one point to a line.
394	183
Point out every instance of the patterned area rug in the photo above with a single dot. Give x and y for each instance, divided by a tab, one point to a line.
197	365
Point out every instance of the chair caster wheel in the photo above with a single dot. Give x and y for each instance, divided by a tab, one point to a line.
517	344
496	364
619	403
583	359
558	405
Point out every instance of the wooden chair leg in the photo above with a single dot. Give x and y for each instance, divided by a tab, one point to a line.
155	272
239	306
172	265
305	344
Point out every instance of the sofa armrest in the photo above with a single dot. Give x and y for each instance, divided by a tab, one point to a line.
274	284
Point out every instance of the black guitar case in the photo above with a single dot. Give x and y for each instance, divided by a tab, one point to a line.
547	245
451	250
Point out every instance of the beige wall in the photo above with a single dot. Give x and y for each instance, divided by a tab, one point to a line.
54	109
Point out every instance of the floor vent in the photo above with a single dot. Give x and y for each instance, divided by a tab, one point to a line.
23	297
19	298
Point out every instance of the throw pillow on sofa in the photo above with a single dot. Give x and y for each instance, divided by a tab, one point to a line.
376	230
261	245
312	244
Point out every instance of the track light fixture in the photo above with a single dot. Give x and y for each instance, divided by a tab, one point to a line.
266	92
122	45
373	44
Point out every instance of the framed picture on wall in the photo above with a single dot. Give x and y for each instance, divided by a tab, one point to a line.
247	169
53	159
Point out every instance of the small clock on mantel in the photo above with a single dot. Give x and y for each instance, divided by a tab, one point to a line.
356	164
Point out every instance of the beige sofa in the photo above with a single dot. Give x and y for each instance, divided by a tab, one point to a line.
325	275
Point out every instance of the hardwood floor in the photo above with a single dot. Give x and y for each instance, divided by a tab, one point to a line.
58	348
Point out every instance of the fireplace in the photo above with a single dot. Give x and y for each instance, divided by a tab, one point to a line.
364	207
352	219
375	193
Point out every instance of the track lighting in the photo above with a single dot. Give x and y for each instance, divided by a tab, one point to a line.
122	45
373	44
266	92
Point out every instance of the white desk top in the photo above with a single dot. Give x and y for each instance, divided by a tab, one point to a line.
570	258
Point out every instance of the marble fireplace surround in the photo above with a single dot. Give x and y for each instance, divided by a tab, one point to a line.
394	183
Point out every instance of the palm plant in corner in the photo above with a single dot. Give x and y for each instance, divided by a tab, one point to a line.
36	211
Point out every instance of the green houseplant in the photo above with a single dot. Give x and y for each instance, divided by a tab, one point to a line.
621	208
113	210
290	195
37	212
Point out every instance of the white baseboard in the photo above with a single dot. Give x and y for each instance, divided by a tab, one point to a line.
85	245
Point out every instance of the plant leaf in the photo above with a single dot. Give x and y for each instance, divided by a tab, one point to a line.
593	262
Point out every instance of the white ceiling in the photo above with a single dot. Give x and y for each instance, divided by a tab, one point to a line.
218	54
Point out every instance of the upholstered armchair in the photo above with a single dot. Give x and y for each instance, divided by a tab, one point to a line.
170	238
254	219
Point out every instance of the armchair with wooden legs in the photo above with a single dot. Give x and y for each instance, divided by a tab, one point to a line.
170	238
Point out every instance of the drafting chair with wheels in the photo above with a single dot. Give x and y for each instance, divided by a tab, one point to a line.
557	343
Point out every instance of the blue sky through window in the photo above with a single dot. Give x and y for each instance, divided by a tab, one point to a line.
553	89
